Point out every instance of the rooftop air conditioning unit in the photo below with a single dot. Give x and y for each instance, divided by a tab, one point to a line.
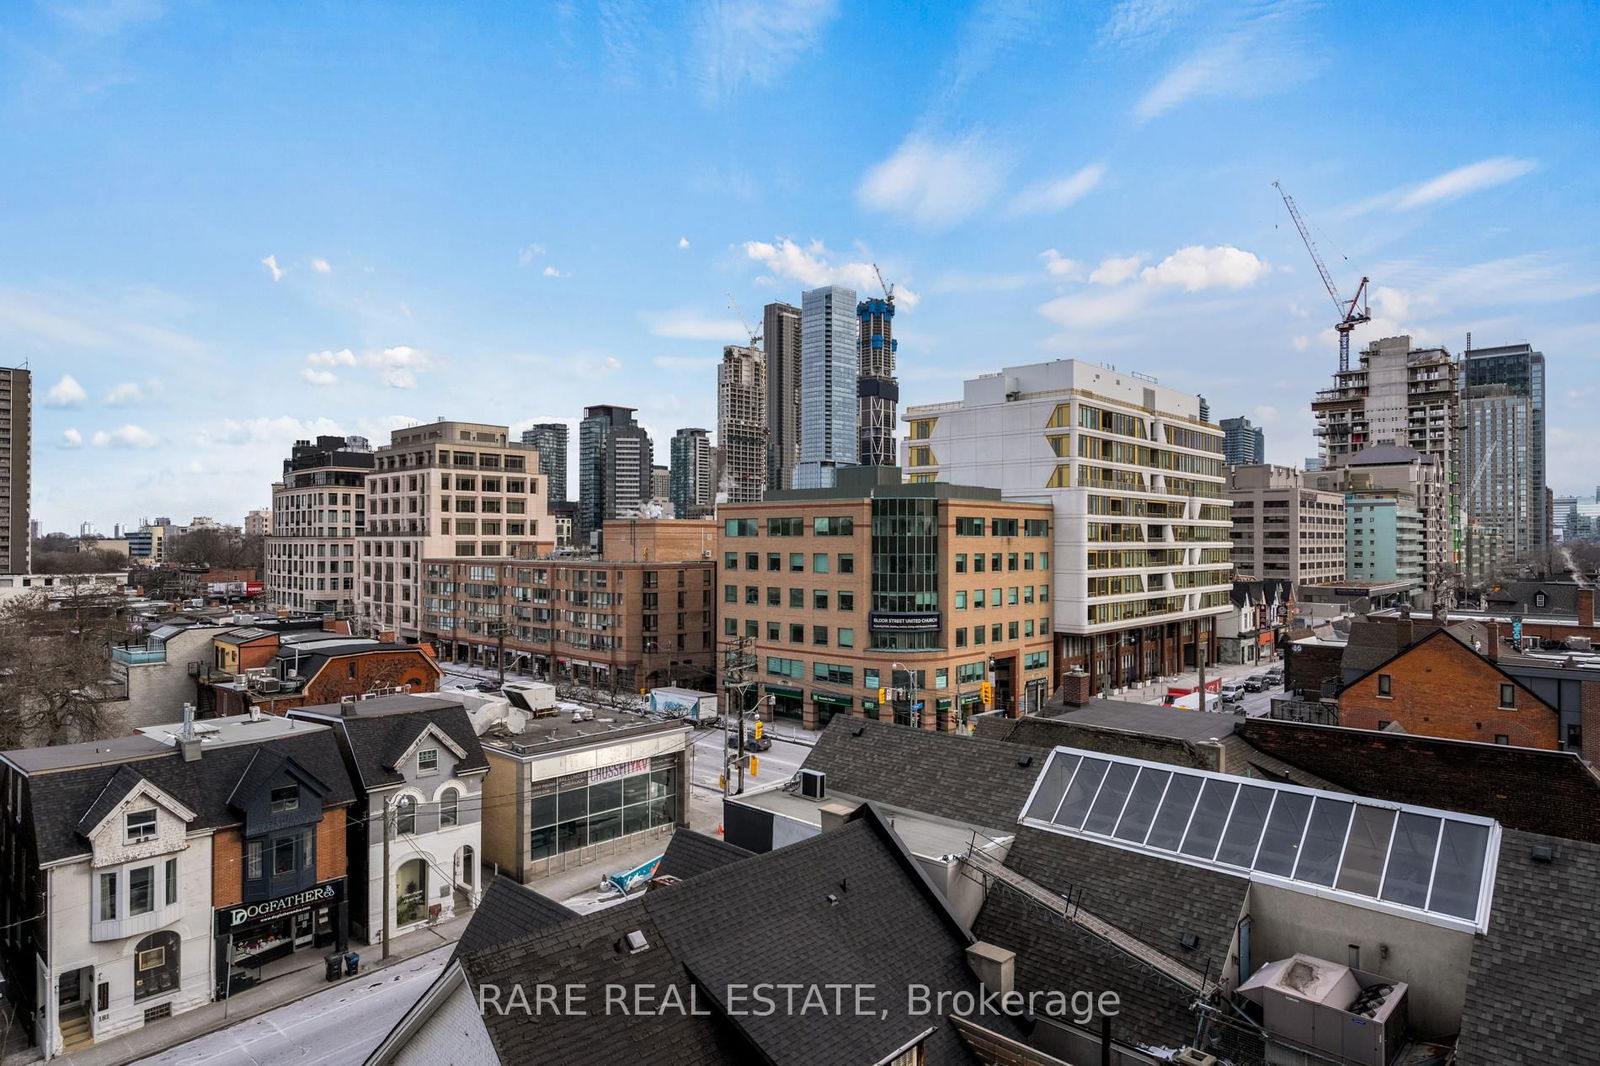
813	784
270	684
1192	1057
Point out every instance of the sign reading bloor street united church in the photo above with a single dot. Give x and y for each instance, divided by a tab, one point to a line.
905	621
238	914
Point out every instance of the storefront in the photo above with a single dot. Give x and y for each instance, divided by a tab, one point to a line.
250	936
787	702
581	810
827	705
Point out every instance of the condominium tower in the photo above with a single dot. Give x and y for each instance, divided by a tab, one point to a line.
319	511
16	464
829	383
691	487
1143	556
1243	444
742	440
780	332
1503	459
614	461
551	440
1285	528
877	389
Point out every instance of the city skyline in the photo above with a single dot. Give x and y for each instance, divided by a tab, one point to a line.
241	259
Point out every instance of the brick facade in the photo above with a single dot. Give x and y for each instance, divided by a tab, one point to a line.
1439	687
227	851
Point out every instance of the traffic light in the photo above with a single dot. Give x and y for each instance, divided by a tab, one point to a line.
986	693
755	766
883	695
760	728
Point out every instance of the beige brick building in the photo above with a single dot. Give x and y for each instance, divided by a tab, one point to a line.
1285	528
876	584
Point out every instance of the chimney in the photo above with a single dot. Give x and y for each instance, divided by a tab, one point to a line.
1075	687
187	732
1492	640
1586	607
1404	633
994	966
833	815
1589	721
347	706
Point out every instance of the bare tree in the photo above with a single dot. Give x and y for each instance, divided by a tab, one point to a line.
55	680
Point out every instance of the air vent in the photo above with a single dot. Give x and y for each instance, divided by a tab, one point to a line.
633	943
1543	854
813	784
1188	940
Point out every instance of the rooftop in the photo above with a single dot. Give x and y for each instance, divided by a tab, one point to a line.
563	730
926	836
237	729
1172	722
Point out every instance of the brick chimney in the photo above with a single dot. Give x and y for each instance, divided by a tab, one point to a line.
1491	640
1589	722
1076	689
1586	607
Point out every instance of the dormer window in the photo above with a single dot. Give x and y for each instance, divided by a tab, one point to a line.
140	826
285	799
427	762
1538	599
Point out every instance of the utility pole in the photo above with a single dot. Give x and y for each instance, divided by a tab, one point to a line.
387	878
737	665
499	632
1200	661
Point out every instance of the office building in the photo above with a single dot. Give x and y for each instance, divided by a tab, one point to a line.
1142	547
444	490
1403	396
1283	528
551	440
742	452
829	373
690	477
16	469
1242	443
929	591
1396	507
1512	498
1314	463
781	336
257	523
319	510
660	484
615	457
878	391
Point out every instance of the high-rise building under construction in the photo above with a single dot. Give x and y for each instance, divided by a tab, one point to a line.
742	424
878	393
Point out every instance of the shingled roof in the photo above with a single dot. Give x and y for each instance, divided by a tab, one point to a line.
690	854
848	906
1155	900
59	800
508	911
380	731
1530	984
966	779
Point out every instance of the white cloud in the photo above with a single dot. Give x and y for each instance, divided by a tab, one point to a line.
1197	267
1096	308
690	325
1114	271
71	438
934	184
1265	414
1137	21
1301	342
271	263
66	393
748	42
528	253
125	394
106	18
319	377
811	267
321	266
552	272
397	366
342	357
1070	269
1057	193
1472	178
1262	53
128	436
683	242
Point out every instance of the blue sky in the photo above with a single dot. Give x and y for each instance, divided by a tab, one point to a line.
230	225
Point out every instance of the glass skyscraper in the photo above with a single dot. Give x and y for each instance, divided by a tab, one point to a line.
830	367
1507	446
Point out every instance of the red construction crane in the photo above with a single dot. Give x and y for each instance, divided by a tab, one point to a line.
1352	313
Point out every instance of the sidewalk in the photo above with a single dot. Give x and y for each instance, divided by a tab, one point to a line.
270	994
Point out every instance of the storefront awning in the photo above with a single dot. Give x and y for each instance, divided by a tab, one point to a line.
831	700
784	690
969	698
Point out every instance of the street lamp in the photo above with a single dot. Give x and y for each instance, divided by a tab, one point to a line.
911	694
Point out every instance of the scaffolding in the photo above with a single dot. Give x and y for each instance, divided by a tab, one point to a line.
742	424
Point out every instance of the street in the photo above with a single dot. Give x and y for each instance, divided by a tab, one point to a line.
773	767
338	1026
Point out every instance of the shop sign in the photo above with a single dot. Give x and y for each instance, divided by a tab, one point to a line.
244	913
623	769
905	621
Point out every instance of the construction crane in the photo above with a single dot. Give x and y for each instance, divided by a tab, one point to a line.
1351	314
755	338
888	290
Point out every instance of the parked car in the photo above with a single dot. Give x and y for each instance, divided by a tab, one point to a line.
751	742
1275	674
1233	692
1256	683
487	686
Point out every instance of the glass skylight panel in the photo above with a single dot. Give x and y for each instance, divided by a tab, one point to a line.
1458	877
1244	828
1081	793
1173	817
1385	853
1210	818
1410	872
1113	795
1280	844
1324	841
1142	804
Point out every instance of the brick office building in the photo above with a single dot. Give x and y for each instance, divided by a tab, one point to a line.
844	591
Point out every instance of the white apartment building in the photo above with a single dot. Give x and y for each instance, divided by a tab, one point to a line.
444	490
1283	528
1142	561
318	511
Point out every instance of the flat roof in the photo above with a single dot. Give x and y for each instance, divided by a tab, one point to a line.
235	729
925	835
557	731
90	753
1172	722
379	706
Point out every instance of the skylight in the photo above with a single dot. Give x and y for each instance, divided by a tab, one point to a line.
1391	855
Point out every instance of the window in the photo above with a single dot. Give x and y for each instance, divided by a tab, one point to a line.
1508	696
961	599
740	527
845	638
797	633
283	856
819	599
1003	527
155	970
449	808
797	562
833	527
427	762
1501	738
969	527
108	896
1385	685
819	635
141	826
171	882
847	601
847	564
961	637
141	890
785	527
286	798
252	861
961	562
730	561
819	563
405	817
869	677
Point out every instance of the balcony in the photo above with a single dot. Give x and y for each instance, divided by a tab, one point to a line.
143	655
